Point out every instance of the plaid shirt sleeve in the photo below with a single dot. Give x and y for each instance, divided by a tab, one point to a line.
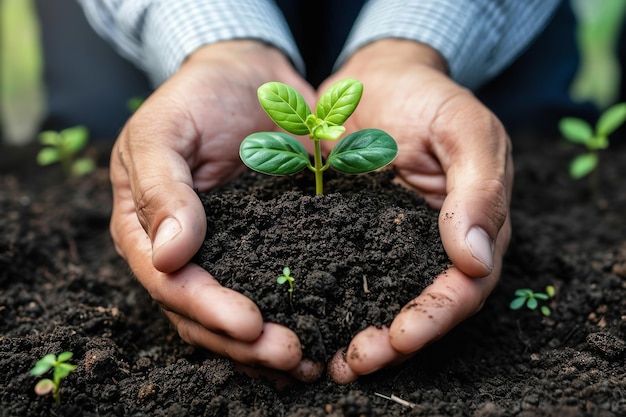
157	35
477	38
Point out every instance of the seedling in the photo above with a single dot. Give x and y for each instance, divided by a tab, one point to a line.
63	147
61	370
530	299
286	277
580	132
277	153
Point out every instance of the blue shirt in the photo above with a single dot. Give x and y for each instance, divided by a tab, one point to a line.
477	38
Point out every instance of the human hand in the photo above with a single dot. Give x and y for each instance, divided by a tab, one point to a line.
456	154
184	137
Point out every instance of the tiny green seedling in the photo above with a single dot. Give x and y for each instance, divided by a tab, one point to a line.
286	277
61	370
278	153
530	299
63	147
580	132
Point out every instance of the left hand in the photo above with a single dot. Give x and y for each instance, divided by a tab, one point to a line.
456	154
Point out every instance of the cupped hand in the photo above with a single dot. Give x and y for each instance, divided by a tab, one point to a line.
186	136
456	154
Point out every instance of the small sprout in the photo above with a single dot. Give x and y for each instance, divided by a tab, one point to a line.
529	298
278	153
286	277
580	132
63	147
61	370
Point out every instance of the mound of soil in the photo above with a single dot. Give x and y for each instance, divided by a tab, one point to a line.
63	287
358	253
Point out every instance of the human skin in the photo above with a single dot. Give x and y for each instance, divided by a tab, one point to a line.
186	136
456	154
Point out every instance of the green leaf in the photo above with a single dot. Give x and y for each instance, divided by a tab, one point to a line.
273	153
523	292
339	101
550	291
611	119
545	310
517	303
541	296
62	370
286	271
83	166
582	165
328	132
48	156
44	364
363	151
576	130
281	279
75	138
50	138
532	303
285	106
65	356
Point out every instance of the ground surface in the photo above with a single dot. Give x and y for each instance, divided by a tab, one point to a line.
62	287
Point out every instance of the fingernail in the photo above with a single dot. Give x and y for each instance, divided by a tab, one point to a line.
168	229
480	245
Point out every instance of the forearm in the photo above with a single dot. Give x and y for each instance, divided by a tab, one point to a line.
158	36
476	38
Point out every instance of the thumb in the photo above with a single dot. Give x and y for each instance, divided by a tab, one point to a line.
161	186
476	207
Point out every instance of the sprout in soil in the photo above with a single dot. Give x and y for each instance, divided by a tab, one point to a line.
61	370
580	132
286	277
278	153
530	299
63	147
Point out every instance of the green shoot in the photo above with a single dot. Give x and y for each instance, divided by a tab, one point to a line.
286	277
580	132
63	147
277	153
530	299
61	370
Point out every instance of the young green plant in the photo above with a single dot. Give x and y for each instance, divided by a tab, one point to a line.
580	132
278	153
286	277
530	299
63	147
61	369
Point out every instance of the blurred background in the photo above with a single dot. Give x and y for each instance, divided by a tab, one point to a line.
30	30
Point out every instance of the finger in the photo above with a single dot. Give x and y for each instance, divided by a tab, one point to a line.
189	291
449	300
479	172
369	351
277	347
161	188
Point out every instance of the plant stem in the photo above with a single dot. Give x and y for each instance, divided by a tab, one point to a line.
318	169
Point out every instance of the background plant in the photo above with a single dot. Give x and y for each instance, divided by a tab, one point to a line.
278	153
63	147
580	132
531	299
61	370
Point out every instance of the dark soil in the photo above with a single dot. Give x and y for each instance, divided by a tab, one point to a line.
63	287
358	253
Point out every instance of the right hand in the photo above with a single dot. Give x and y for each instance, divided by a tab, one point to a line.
186	136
